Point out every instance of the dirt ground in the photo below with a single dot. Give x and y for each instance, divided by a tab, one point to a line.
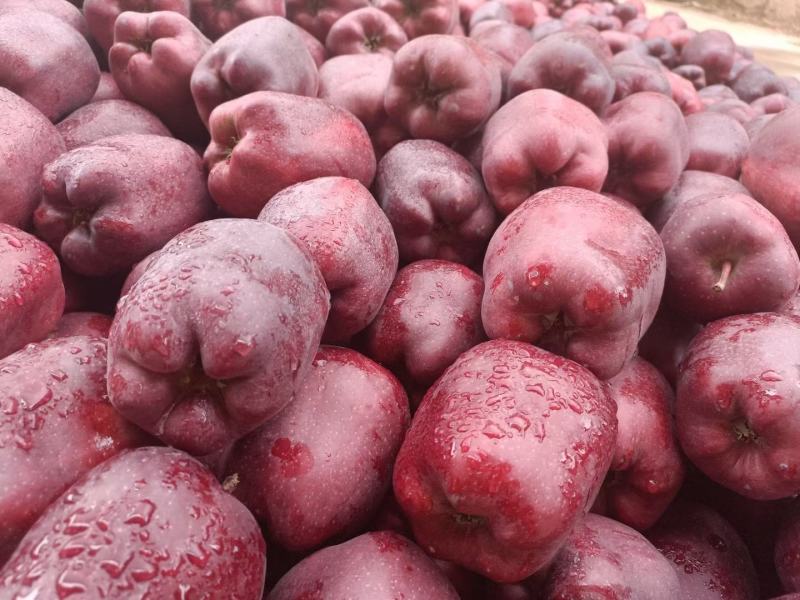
779	51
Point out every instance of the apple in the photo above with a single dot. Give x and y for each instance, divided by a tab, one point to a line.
149	522
102	14
693	73
727	255
770	105
573	63
606	559
431	315
710	559
630	79
240	307
62	9
350	239
769	170
28	141
378	564
756	81
443	87
423	17
41	53
576	272
509	43
215	18
666	341
266	54
108	204
264	142
81	323
365	31
735	404
31	291
152	60
647	470
717	143
565	145
684	94
741	111
713	50
106	118
505	455
787	551
318	16
52	398
648	147
435	201
107	89
294	474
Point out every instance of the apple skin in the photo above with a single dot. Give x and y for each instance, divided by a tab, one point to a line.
710	559
707	232
264	142
684	94
691	184
566	145
293	473
631	79
266	54
647	471
431	315
158	524
215	18
756	81
365	31
508	41
693	73
152	60
317	17
424	17
233	338
735	404
107	118
741	111
28	141
46	62
435	201
648	147
575	272
62	9
505	455
443	87
787	550
665	343
770	173
357	83
82	323
107	89
350	239
378	564
102	14
769	105
573	63
107	205
53	397
606	559
713	50
718	143
31	291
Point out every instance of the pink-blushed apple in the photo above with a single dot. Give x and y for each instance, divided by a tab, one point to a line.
101	15
82	323
215	18
424	17
713	50
365	31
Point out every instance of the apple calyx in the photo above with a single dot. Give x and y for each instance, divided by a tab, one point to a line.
745	433
719	286
464	519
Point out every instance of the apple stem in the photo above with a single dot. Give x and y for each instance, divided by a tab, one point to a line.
723	278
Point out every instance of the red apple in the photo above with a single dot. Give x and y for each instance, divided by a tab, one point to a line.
317	16
81	323
423	17
294	473
365	31
665	343
787	551
576	272
240	307
215	18
717	143
107	89
756	81
713	50
505	455
102	14
151	522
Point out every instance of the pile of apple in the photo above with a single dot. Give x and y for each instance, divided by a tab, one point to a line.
395	299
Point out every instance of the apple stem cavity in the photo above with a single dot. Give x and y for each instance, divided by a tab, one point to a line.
723	277
468	520
744	433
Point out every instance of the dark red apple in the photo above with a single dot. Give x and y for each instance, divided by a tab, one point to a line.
152	60
435	201
151	522
665	343
28	141
215	18
318	16
431	315
787	551
565	144
606	559
31	291
53	403
736	404
693	73
717	143
239	309
576	272
108	204
422	17
647	470
713	50
47	62
266	141
350	239
710	559
770	173
508	41
443	87
106	118
294	473
505	455
82	323
102	14
379	564
756	81
365	31
630	79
